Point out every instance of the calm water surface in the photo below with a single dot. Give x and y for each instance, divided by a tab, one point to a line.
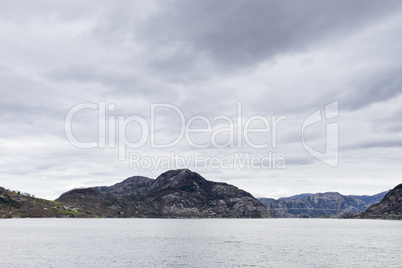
200	243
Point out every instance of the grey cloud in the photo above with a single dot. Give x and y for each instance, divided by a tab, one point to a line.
94	74
237	34
115	82
18	119
384	141
389	123
300	160
371	87
203	57
22	109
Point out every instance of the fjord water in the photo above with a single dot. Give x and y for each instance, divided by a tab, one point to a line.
200	243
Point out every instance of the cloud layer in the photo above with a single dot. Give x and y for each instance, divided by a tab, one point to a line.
205	58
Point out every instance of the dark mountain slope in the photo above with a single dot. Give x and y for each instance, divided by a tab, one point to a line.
105	205
175	193
390	206
129	187
185	193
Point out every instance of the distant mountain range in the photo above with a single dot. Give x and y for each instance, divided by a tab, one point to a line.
294	197
370	199
186	194
319	204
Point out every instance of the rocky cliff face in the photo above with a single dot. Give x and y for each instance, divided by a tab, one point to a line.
175	193
131	186
315	205
390	206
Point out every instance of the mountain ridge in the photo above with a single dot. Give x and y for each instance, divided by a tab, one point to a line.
319	204
174	193
185	194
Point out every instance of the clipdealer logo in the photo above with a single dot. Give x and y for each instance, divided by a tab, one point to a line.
328	115
117	132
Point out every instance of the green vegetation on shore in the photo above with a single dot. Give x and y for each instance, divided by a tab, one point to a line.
14	204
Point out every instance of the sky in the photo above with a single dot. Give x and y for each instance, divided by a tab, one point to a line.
275	97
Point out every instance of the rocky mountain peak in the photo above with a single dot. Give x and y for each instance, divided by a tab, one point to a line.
136	180
178	179
131	186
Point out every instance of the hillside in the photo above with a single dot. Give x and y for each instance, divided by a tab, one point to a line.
16	204
390	206
175	193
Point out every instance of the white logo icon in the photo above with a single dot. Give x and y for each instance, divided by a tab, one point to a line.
331	154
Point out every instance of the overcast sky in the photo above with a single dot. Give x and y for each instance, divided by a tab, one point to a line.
208	60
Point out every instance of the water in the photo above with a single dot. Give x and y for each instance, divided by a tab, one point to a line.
200	243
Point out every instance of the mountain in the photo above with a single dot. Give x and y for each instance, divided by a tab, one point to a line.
306	208
265	200
315	205
129	187
105	205
370	199
17	204
294	197
390	206
175	193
